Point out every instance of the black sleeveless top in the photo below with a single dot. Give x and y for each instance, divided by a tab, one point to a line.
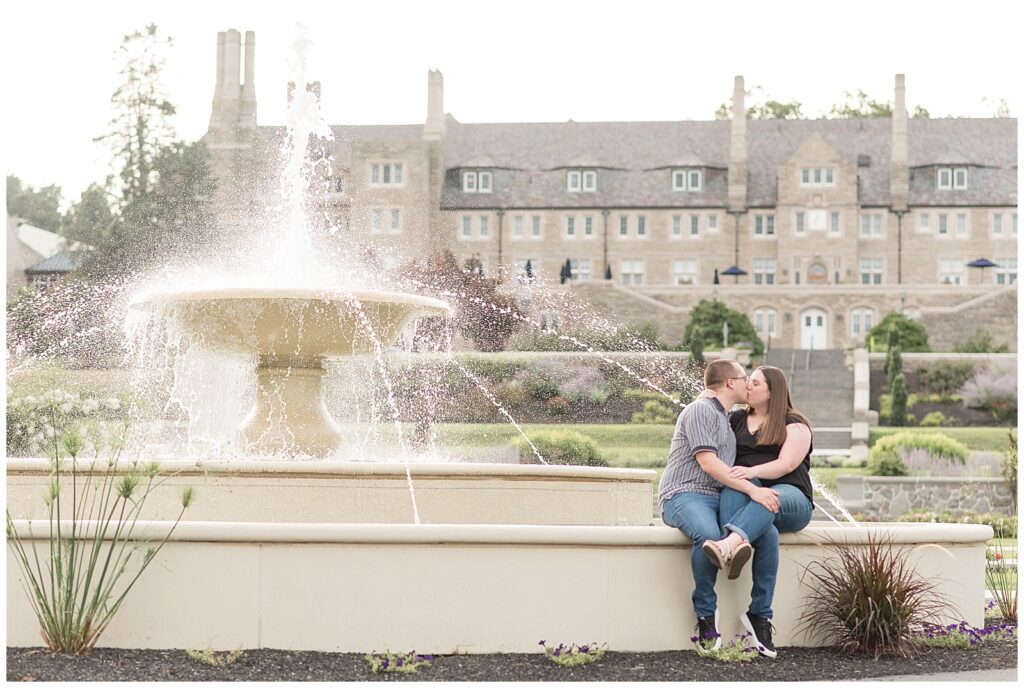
749	453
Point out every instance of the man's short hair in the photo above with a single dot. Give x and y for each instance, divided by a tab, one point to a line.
718	371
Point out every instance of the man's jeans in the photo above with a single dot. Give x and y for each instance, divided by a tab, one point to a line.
697	516
761	528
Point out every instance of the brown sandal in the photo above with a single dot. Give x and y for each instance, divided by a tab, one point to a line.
718	558
738	558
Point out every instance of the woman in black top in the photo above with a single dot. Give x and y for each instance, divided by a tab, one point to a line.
773	449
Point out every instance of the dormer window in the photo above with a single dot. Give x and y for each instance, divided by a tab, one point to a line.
581	180
687	180
952	178
817	176
386	174
477	181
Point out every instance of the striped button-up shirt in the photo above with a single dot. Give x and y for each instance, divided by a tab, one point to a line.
702	426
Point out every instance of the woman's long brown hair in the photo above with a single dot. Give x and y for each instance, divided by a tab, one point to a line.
780	408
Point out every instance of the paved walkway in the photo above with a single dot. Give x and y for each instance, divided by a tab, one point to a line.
963	677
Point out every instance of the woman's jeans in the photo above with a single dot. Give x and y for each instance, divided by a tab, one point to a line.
754	523
697	516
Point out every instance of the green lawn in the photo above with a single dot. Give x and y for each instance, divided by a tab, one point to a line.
826	475
976	439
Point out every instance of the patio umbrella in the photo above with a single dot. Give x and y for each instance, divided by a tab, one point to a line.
981	263
735	271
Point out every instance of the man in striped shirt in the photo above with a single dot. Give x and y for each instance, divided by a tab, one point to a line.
703	449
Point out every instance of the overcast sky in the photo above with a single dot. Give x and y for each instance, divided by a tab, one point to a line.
520	61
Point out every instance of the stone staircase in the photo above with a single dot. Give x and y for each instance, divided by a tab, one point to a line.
821	385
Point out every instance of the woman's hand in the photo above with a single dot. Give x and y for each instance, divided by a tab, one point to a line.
766	497
742	473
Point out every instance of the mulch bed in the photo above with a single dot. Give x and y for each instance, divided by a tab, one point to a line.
793	664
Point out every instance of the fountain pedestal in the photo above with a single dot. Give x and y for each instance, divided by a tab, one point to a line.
290	414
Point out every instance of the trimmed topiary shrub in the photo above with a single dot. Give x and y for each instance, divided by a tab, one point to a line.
563	447
655	412
936	419
884	456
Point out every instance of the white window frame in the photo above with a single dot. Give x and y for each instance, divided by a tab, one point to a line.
924	223
942	228
570	227
589	180
518	227
521	267
677	227
581	269
694	227
588	227
573	181
944	178
484	226
628	273
766	224
765	322
862	319
685	271
959	178
873	269
465	227
874	224
799	223
1006	270
486	182
962	225
623	232
835	223
395	226
711	223
817	176
393	170
764	270
550	319
953	268
995	224
469	182
687	179
641	227
536	228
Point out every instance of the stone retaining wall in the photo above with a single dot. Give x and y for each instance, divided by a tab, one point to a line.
888	498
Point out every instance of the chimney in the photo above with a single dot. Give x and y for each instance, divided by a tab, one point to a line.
247	117
899	175
434	127
228	91
737	199
231	88
215	113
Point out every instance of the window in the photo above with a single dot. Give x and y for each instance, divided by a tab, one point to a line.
871	270
798	224
961	225
1006	270
871	226
396	220
694	225
764	225
834	227
712	223
377	220
386	174
952	178
624	226
580	269
943	224
952	271
517	226
386	220
764	322
570	227
467	227
1013	225
632	272
684	272
997	224
549	320
924	223
817	176
861	320
581	180
677	226
485	182
641	226
535	227
339	184
588	226
687	180
469	182
764	271
485	226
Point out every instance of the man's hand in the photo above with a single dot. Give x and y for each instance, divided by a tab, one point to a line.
706	394
766	497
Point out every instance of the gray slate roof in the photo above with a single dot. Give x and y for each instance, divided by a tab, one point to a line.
63	262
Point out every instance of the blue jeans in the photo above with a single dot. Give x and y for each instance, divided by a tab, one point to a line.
697	516
761	528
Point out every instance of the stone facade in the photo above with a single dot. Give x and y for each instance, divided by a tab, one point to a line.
835	222
886	499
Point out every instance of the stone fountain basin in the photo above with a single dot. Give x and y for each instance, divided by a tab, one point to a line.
286	325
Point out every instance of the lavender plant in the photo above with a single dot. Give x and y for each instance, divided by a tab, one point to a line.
920	461
964	636
995	390
574	655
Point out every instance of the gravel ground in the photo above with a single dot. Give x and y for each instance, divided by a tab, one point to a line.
793	664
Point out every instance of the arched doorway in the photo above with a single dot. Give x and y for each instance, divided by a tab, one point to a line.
813	329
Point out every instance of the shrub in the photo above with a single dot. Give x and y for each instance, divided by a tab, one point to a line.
1004	525
577	382
994	390
563	447
211	658
512	393
573	655
884	456
945	378
868	599
936	419
397	662
557	405
1010	465
912	334
979	343
921	462
655	412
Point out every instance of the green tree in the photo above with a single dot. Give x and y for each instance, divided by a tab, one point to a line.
764	107
861	105
39	207
894	357
979	343
697	348
706	321
91	220
912	334
899	400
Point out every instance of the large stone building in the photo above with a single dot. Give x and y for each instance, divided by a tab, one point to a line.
833	223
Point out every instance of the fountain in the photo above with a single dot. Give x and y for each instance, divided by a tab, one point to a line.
357	556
